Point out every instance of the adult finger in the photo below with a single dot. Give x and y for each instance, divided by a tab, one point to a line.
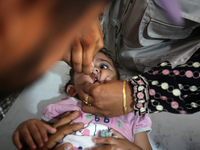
77	55
99	42
58	136
86	89
92	42
88	53
67	57
93	110
67	119
65	146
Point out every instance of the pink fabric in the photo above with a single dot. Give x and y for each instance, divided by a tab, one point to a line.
54	111
126	125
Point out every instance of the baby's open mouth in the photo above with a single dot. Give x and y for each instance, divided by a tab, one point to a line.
96	79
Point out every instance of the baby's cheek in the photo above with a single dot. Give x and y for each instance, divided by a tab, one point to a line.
107	79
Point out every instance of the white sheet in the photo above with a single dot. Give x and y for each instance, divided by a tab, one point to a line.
170	132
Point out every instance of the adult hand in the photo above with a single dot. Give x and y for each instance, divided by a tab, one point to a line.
106	99
84	47
63	128
34	35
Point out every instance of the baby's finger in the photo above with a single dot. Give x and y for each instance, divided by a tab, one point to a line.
106	140
50	129
119	135
27	138
16	140
36	135
44	129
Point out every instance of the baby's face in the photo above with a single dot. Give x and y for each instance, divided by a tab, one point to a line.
105	71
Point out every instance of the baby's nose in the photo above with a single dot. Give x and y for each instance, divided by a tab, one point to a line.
95	70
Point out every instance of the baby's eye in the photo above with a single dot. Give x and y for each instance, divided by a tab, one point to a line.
104	67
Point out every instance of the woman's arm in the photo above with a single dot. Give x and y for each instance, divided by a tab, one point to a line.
163	88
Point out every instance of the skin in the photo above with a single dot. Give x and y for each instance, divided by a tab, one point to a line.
85	45
34	35
65	128
38	130
32	129
105	71
108	75
141	142
98	95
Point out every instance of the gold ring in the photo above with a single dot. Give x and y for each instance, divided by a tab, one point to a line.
86	101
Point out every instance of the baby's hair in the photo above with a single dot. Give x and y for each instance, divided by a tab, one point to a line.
105	52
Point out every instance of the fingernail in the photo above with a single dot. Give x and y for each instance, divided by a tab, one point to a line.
94	140
68	147
45	139
33	147
41	145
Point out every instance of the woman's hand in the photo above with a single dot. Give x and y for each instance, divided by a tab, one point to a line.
84	47
63	128
106	99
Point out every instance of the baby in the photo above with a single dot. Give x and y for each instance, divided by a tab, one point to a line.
130	128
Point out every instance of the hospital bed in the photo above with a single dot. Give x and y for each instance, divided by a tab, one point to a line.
169	131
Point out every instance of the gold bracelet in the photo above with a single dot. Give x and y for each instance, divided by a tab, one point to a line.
124	97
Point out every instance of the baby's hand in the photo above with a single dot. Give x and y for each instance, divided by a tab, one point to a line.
32	132
107	143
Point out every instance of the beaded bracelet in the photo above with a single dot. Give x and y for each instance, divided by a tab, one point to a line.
124	97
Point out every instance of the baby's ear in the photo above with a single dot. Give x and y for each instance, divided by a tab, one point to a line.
71	90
